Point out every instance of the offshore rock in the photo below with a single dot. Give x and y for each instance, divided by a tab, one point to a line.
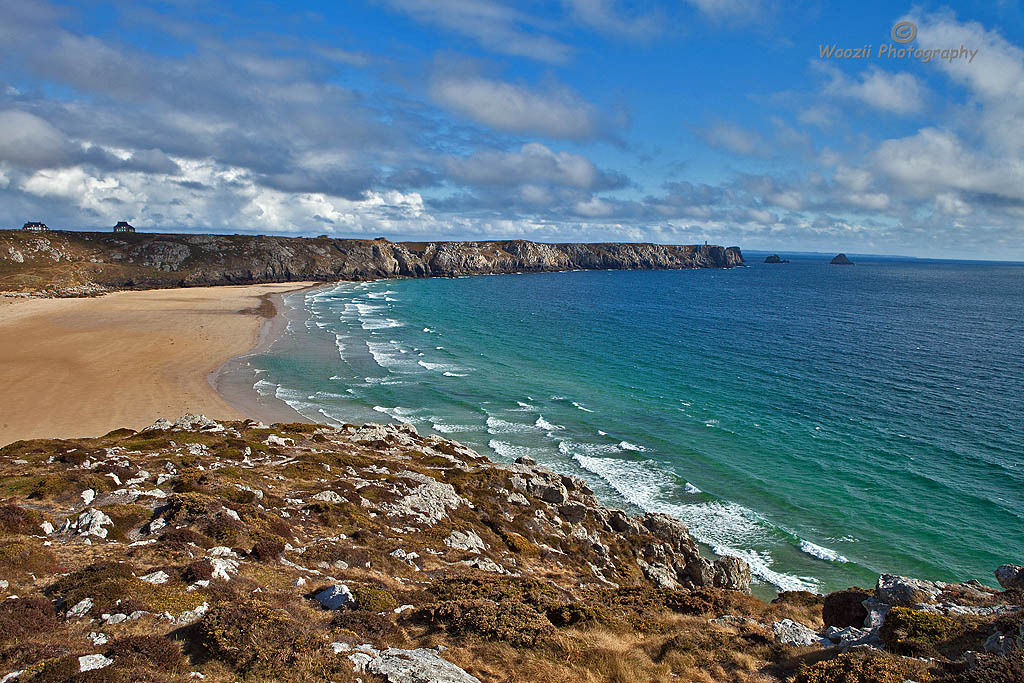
841	260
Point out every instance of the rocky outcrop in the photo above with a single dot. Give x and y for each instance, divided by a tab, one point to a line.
774	258
841	260
82	262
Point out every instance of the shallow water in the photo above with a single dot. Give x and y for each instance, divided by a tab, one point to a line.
824	423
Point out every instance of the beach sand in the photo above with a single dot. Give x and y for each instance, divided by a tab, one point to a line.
83	367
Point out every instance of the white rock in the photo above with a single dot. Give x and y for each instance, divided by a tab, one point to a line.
789	632
114	618
467	540
328	497
80	609
335	597
98	638
47	528
93	662
414	666
301	581
91	523
88	495
275	440
4	584
12	676
156	577
221	551
223	566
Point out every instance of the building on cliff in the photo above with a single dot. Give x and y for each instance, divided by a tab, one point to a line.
35	226
122	226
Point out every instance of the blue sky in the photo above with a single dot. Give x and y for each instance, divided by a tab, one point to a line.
580	120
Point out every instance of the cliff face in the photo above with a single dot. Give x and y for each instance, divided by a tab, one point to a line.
66	260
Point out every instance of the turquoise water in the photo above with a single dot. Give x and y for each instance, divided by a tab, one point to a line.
824	423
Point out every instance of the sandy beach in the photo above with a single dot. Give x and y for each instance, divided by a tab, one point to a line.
83	367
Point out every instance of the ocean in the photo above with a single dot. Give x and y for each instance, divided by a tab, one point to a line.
824	423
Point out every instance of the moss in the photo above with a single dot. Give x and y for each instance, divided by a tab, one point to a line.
848	668
373	599
254	638
904	628
113	587
20	617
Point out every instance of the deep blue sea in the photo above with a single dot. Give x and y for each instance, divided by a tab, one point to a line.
825	423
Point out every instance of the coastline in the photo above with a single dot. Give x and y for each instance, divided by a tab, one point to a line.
85	366
233	379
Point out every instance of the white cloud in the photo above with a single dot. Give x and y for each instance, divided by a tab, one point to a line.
28	139
734	139
533	163
603	16
897	93
556	113
594	207
745	10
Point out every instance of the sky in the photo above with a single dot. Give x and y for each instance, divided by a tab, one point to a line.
740	122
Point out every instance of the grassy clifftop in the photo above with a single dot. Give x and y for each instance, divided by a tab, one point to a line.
305	552
66	262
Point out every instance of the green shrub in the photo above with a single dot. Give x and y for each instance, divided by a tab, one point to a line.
373	599
905	628
848	668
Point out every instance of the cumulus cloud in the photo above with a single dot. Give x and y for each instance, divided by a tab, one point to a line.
533	163
557	112
897	93
733	138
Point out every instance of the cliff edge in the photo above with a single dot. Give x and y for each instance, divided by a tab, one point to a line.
66	263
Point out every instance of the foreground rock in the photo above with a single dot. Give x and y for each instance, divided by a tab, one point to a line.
234	550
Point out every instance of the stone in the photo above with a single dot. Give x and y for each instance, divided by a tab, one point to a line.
275	440
80	609
223	567
91	523
328	497
876	612
731	573
191	423
1010	576
845	608
467	540
156	577
416	666
428	503
93	662
573	512
789	632
525	460
47	528
904	591
88	496
335	597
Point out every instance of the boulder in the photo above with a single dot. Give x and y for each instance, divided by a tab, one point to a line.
467	540
93	662
328	497
1010	576
904	591
731	573
335	597
845	608
416	666
789	632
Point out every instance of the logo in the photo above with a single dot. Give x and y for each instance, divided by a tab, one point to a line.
904	32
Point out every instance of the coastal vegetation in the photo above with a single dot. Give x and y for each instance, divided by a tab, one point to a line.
240	550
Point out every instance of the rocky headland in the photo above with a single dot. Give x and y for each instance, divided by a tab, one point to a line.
220	551
66	263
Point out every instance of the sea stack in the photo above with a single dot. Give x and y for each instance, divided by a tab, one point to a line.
774	258
841	260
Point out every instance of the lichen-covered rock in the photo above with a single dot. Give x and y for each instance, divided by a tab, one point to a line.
416	666
335	597
901	590
789	632
1010	576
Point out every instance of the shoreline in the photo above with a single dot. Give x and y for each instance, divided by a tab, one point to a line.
233	379
83	367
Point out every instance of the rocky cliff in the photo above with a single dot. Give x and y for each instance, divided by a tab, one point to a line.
63	261
236	550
